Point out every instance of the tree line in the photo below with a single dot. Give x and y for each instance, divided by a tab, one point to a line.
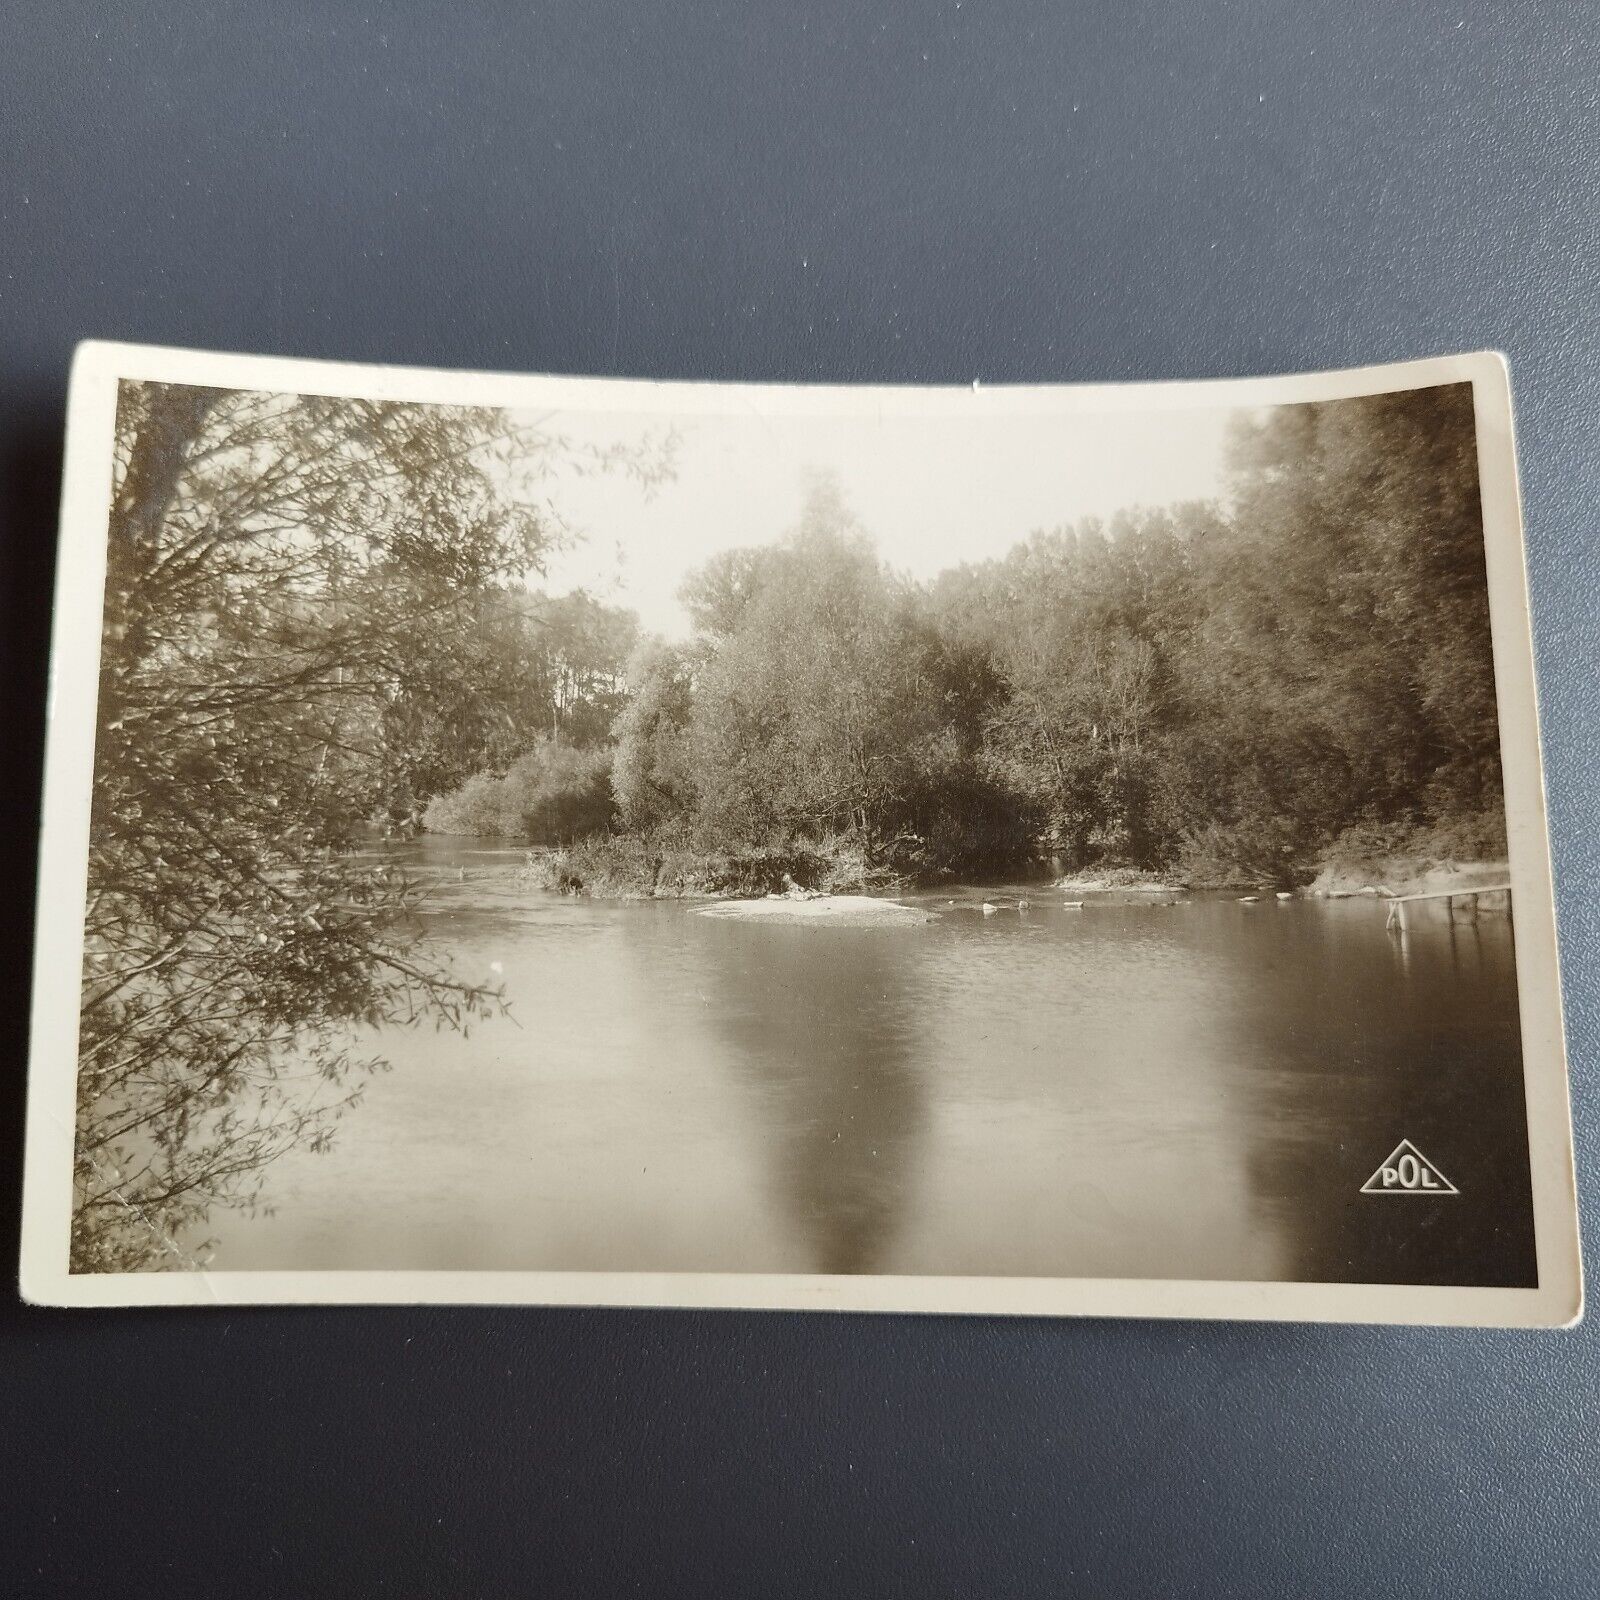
1217	691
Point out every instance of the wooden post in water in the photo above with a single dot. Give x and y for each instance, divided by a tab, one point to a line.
1399	902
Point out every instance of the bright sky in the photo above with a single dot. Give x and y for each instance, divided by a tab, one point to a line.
931	491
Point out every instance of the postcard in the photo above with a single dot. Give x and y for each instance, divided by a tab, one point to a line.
1025	850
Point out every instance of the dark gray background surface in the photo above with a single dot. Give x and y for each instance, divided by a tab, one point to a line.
834	191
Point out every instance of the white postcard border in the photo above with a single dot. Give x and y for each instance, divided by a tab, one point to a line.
69	759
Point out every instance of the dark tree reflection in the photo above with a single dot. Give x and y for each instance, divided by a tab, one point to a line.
1391	1036
847	1105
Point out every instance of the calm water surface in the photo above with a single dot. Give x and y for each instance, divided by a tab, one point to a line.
1126	1090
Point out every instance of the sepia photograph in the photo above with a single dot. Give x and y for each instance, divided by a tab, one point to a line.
585	841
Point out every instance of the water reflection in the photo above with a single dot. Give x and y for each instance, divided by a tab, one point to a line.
1356	1041
1085	1122
1128	1090
825	1024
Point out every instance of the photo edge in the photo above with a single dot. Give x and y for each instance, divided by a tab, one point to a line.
43	1285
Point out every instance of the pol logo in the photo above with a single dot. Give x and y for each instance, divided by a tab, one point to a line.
1407	1171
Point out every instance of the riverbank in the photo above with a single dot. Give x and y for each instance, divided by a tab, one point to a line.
1379	859
1400	876
1460	854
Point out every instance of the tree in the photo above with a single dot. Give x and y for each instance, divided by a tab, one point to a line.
1345	653
1391	484
718	594
806	716
292	640
554	794
652	775
1242	683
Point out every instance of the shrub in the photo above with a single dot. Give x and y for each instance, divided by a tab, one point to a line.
651	776
478	808
1370	850
1255	850
627	866
554	794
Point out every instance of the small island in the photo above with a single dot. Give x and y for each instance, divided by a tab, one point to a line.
834	910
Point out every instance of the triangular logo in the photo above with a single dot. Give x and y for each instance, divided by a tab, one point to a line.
1407	1171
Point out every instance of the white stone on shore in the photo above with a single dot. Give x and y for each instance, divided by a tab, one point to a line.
836	910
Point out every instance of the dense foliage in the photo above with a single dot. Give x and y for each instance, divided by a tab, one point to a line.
555	794
1217	690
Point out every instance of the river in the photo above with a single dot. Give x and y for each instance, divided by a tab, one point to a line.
1126	1089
